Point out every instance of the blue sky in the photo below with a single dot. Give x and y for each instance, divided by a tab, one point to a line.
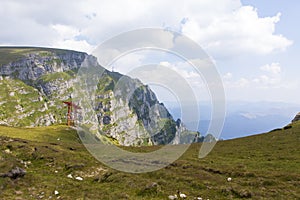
288	59
254	44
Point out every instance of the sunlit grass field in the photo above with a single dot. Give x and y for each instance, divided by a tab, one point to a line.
265	166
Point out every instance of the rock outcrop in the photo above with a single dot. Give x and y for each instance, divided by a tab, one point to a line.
35	81
297	118
14	173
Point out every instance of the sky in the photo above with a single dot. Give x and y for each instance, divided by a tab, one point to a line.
254	44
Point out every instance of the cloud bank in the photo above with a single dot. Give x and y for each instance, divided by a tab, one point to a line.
223	28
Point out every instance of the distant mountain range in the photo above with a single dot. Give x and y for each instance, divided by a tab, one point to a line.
244	118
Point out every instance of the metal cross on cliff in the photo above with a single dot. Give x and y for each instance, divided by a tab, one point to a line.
71	107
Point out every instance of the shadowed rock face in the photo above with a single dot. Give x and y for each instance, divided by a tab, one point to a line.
297	118
35	81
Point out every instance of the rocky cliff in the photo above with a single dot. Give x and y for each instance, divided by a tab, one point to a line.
297	118
35	81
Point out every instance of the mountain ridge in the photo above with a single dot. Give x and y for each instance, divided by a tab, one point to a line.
36	81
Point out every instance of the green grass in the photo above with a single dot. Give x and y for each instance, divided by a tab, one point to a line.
12	54
9	54
63	76
16	95
23	105
262	166
42	134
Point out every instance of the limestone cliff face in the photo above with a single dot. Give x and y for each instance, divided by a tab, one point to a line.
34	64
35	81
131	114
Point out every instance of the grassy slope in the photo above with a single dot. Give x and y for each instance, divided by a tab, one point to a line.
24	96
263	166
9	54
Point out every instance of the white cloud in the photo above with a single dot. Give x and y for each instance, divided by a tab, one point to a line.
265	81
128	62
237	31
65	32
241	83
273	78
81	45
270	79
227	76
165	63
224	28
273	68
249	115
67	38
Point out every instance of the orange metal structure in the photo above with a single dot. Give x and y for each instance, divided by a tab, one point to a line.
71	107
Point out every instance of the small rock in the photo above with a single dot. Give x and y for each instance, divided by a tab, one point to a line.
172	197
7	151
18	192
76	166
56	192
70	176
150	189
182	196
245	194
79	178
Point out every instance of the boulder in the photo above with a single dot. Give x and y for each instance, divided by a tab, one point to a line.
14	173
